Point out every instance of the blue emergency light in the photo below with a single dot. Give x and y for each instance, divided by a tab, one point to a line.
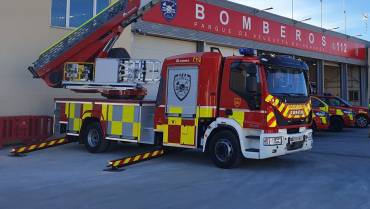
247	51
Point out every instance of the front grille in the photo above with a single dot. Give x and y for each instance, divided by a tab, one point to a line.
293	130
289	122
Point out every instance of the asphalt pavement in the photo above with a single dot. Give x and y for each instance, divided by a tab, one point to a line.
335	174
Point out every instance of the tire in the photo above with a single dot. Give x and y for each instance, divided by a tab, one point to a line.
120	53
92	137
225	150
362	121
336	124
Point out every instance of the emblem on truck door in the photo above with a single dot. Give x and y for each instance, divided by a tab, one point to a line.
169	9
182	85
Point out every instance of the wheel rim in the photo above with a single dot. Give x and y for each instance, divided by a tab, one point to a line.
361	121
93	138
223	150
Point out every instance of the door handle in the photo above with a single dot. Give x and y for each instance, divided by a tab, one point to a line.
228	112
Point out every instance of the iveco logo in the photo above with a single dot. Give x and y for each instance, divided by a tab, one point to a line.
296	112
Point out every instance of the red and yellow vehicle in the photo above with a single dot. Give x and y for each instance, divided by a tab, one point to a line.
340	115
320	115
230	107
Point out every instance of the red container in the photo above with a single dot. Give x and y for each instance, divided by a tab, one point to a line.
25	129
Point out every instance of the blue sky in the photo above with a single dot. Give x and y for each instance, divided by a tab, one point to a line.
333	13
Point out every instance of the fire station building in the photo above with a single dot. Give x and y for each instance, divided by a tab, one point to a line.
338	63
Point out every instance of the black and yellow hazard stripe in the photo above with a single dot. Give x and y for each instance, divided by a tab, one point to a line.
119	163
39	146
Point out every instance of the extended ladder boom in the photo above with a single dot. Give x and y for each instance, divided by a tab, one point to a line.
91	40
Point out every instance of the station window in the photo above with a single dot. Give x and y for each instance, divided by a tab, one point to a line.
73	13
354	96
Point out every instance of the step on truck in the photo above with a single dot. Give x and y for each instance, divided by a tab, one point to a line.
236	107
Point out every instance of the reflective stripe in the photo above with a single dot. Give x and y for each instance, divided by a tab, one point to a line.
175	110
238	116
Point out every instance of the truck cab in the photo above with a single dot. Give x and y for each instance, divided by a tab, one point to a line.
234	107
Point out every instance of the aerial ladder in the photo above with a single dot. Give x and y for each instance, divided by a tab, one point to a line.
62	64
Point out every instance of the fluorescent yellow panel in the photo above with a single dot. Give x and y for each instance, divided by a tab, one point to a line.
175	110
110	112
205	112
71	110
77	124
174	121
164	129
86	108
128	113
136	130
116	128
238	116
104	110
187	135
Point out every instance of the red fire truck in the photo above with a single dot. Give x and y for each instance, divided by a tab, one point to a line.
230	107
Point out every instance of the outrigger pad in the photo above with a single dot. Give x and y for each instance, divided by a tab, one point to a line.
115	165
40	146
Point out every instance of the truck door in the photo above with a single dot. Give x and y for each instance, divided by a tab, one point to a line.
181	105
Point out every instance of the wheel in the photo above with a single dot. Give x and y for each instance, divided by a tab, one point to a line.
120	53
336	124
225	150
92	136
362	121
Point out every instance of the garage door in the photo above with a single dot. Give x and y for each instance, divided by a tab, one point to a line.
149	47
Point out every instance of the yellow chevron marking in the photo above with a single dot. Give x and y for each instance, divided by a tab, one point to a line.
61	141
127	160
155	153
21	149
324	121
285	114
32	147
137	158
52	143
116	163
42	145
270	116
273	124
281	107
146	155
276	102
269	98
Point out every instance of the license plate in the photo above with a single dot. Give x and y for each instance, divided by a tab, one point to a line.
296	139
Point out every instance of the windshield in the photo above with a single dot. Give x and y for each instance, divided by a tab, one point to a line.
286	81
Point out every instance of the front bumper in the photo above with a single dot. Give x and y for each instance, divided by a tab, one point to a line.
286	147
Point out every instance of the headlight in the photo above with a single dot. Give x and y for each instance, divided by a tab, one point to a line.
320	114
309	136
348	112
271	141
